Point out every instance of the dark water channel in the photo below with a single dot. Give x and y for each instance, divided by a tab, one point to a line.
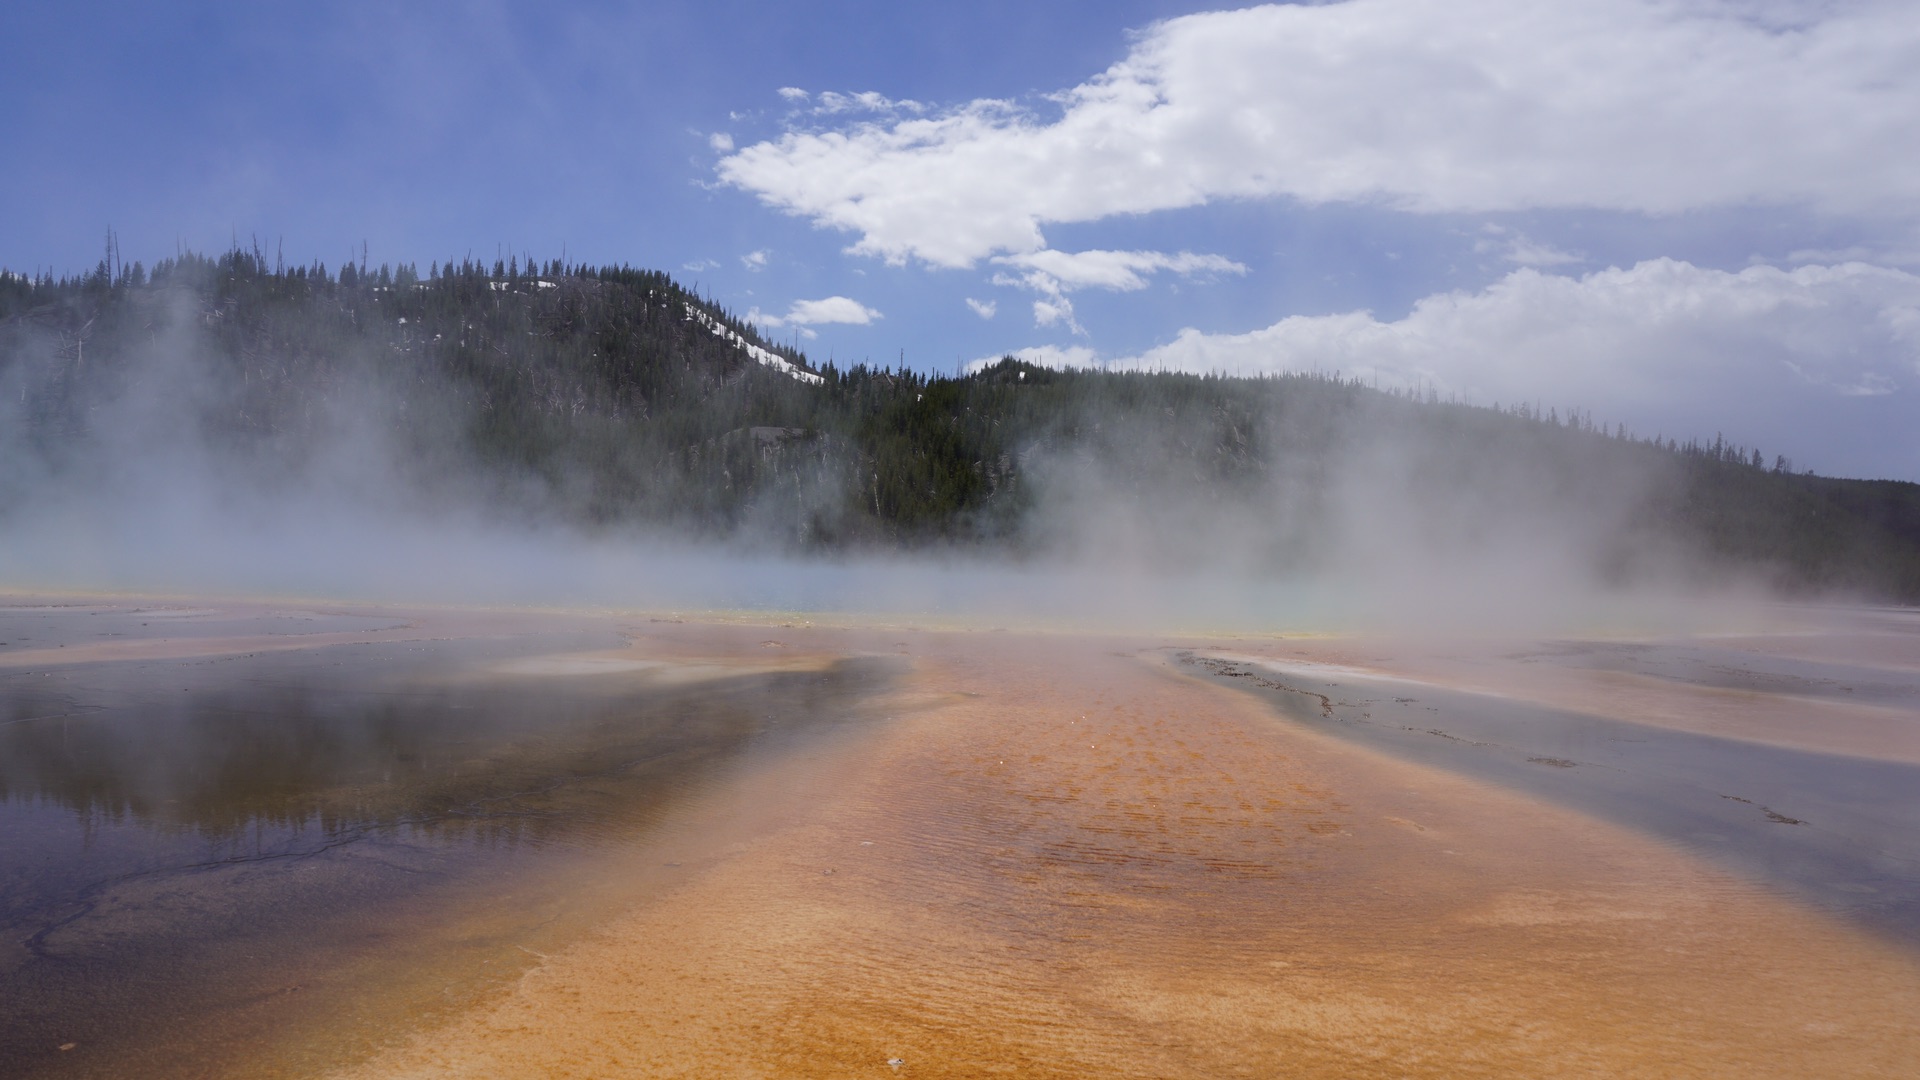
1841	832
186	839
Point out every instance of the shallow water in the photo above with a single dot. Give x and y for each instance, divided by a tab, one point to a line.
1839	830
196	852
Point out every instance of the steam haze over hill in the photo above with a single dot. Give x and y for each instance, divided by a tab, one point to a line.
564	432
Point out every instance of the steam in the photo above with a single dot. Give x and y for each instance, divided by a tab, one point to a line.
367	494
1371	519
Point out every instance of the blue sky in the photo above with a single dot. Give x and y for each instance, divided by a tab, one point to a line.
1691	216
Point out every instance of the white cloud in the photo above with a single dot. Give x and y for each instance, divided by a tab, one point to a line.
1765	354
1117	270
755	260
832	309
1048	312
1521	249
721	141
1660	328
698	265
1053	274
983	308
1653	106
831	102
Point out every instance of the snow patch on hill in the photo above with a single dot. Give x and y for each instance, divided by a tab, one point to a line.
760	355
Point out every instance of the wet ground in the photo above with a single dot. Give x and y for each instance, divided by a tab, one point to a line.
1083	862
360	843
1838	830
200	848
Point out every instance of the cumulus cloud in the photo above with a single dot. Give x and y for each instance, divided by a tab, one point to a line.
1767	354
755	260
721	142
832	309
1660	327
1653	106
983	308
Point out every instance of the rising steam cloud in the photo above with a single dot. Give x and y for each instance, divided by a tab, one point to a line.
1278	515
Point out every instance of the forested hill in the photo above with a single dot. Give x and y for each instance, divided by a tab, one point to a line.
615	399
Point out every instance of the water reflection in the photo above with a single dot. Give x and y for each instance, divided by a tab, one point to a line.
166	825
296	753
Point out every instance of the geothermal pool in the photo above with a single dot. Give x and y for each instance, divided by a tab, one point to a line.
218	821
245	839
